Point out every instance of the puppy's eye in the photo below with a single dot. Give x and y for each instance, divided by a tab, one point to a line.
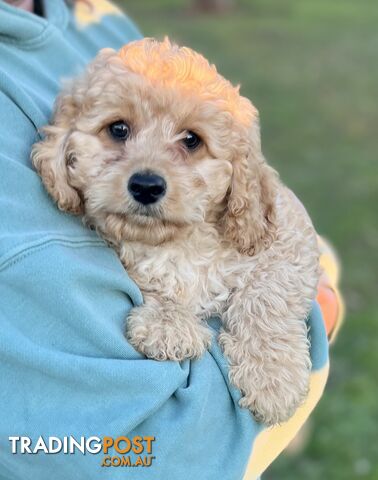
192	141
119	130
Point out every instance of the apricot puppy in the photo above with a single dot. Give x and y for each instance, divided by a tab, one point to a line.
162	156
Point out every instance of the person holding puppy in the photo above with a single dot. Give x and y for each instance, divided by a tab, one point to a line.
66	368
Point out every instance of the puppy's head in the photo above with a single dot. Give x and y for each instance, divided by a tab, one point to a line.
150	140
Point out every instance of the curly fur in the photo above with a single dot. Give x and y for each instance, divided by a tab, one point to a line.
227	239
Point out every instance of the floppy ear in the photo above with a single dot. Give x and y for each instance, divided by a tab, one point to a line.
249	220
52	155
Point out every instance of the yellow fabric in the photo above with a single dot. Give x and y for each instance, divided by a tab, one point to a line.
270	443
91	11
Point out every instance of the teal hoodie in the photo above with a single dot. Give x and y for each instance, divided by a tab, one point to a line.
65	366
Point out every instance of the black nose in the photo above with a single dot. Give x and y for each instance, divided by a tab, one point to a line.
147	187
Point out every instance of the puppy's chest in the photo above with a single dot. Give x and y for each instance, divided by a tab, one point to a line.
193	276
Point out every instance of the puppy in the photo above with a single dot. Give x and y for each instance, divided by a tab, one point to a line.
162	156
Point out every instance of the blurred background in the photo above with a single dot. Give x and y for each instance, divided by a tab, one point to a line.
311	68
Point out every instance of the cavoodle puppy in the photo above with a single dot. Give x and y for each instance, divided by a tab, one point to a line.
162	156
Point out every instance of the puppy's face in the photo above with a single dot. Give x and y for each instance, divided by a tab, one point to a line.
148	161
146	145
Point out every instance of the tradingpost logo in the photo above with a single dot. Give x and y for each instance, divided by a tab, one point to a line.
116	451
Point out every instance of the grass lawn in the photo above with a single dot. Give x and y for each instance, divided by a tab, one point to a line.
311	68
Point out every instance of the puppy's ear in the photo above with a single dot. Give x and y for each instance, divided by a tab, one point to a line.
249	220
52	156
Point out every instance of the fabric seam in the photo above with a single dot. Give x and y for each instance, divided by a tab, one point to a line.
32	43
40	245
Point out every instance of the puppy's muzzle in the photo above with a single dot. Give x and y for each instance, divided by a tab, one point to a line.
147	187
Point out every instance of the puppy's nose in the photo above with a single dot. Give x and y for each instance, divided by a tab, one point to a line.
147	187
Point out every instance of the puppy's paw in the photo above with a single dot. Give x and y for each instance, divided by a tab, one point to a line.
167	332
273	384
273	404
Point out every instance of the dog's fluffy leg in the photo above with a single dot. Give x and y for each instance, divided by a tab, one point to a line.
265	340
165	330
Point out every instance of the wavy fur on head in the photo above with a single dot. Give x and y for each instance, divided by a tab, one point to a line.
227	237
184	69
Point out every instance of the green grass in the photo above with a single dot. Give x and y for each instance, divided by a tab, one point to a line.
311	67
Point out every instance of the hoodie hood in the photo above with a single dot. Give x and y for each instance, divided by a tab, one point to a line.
20	26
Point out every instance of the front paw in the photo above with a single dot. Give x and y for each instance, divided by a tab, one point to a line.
273	403
273	384
168	332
